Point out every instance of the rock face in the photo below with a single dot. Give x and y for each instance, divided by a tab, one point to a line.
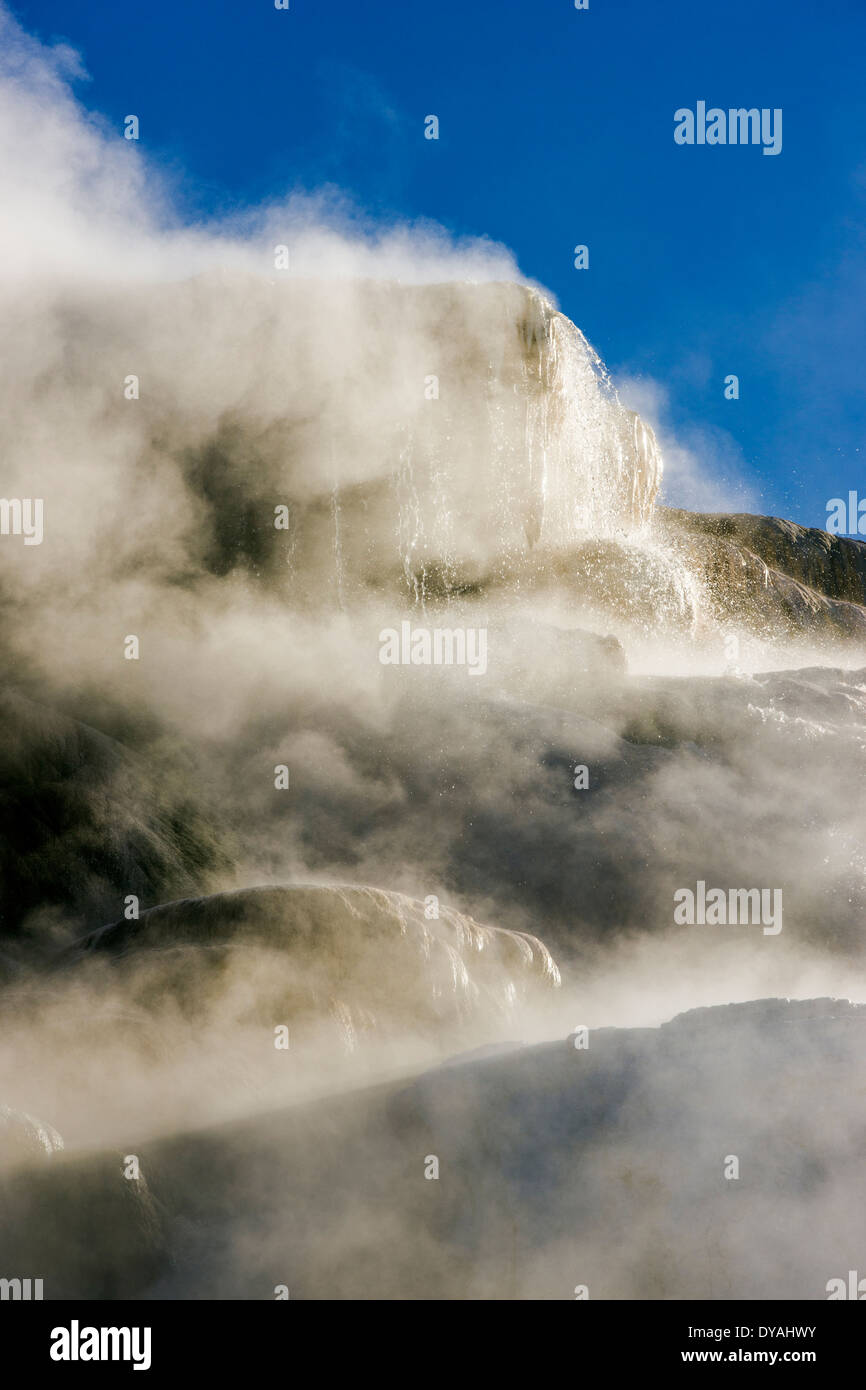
773	576
831	565
717	1157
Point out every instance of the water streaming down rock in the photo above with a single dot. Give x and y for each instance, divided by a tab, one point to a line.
368	959
552	456
417	433
25	1139
427	441
521	446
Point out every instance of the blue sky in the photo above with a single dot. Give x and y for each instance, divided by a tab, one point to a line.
556	128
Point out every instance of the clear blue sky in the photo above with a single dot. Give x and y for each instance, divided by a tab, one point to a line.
557	129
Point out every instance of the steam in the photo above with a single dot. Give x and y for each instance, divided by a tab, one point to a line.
704	468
